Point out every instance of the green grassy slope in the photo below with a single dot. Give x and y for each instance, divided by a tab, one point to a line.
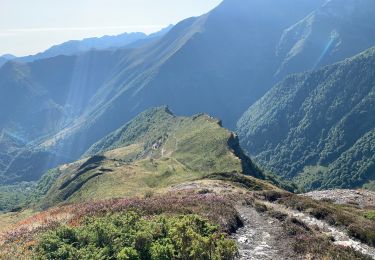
318	124
153	151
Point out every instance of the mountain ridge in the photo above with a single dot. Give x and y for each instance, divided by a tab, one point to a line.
193	68
154	149
106	42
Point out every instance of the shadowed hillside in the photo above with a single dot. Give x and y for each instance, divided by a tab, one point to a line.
318	127
219	63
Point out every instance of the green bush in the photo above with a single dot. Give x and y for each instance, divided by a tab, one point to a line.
370	215
130	236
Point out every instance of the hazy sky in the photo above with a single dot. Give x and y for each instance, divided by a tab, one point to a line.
30	26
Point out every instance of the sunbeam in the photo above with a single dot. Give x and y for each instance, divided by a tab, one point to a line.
326	49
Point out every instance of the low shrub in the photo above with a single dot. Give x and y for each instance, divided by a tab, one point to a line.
362	232
239	179
320	212
130	236
308	243
294	227
203	191
271	195
259	207
369	215
322	248
149	194
277	215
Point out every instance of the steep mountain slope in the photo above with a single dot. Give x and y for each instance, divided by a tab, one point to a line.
27	90
9	147
153	151
333	32
40	98
219	63
318	126
187	69
193	68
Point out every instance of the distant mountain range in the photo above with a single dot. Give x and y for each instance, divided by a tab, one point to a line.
220	63
270	98
74	47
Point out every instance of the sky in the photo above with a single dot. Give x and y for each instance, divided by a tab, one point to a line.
30	26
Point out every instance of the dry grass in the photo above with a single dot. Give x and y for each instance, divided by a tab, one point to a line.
218	209
309	242
7	220
348	216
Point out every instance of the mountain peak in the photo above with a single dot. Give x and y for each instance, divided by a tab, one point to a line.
8	56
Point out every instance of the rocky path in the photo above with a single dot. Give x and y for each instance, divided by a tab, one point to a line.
340	236
361	198
261	237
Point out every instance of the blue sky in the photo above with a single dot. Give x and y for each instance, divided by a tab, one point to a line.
30	26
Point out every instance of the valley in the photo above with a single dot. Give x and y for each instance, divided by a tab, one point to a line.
162	165
243	132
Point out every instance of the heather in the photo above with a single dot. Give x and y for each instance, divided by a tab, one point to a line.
218	210
357	221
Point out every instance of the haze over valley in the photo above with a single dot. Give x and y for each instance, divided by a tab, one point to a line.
245	132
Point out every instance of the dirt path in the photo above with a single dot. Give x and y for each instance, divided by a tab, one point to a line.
362	198
261	237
